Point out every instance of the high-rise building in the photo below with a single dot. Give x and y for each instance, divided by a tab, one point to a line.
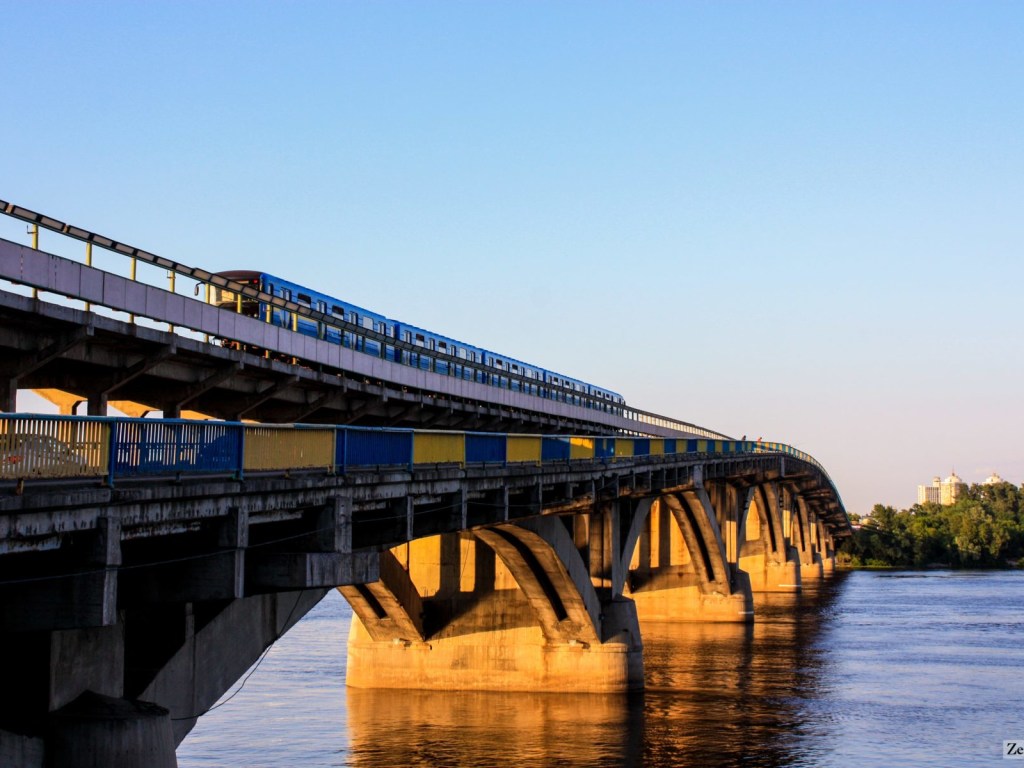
929	493
950	489
943	492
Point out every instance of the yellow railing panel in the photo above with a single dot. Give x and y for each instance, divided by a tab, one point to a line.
524	448
581	448
623	447
268	447
32	447
657	447
438	448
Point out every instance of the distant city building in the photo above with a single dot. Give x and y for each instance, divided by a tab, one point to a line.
943	492
929	494
993	479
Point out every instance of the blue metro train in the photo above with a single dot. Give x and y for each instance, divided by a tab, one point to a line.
473	363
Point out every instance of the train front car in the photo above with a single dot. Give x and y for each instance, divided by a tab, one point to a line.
225	298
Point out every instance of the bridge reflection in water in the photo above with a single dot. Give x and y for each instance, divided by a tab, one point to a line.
716	695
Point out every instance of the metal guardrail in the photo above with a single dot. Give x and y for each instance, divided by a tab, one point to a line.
204	277
37	447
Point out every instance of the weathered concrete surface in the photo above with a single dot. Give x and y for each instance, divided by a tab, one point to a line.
214	655
814	571
21	751
463	618
517	659
691	603
767	575
96	731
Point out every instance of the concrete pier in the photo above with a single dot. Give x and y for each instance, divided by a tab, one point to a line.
96	731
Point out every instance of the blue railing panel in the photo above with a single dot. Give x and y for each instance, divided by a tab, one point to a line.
147	447
555	448
485	448
365	447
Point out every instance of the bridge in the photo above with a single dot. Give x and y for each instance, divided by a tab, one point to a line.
485	538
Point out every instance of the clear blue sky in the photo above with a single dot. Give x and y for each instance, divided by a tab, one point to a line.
801	220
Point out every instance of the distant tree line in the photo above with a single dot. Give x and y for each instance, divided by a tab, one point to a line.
983	529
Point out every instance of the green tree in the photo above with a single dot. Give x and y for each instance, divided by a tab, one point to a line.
984	528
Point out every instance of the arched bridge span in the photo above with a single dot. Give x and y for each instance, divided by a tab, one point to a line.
536	571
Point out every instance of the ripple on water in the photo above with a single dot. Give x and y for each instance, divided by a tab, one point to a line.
873	669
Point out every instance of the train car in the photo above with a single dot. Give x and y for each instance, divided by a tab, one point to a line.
610	402
474	363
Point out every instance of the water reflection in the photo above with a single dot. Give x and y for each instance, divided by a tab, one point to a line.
717	695
427	728
721	695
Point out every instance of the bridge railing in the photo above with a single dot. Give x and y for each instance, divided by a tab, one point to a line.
348	333
58	447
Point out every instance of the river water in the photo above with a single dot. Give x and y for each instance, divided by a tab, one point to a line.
870	669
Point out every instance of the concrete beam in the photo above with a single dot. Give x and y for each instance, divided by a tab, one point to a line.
72	589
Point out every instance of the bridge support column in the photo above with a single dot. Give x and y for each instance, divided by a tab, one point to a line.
507	608
801	533
678	569
8	395
97	404
765	552
828	551
96	730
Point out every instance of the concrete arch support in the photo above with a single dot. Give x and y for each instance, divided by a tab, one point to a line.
509	607
828	550
811	568
391	609
678	569
548	568
765	552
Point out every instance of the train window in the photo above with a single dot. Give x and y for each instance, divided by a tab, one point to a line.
420	340
304	299
339	311
499	364
407	336
286	294
368	323
321	306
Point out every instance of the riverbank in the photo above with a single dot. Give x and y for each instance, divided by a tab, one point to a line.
984	528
